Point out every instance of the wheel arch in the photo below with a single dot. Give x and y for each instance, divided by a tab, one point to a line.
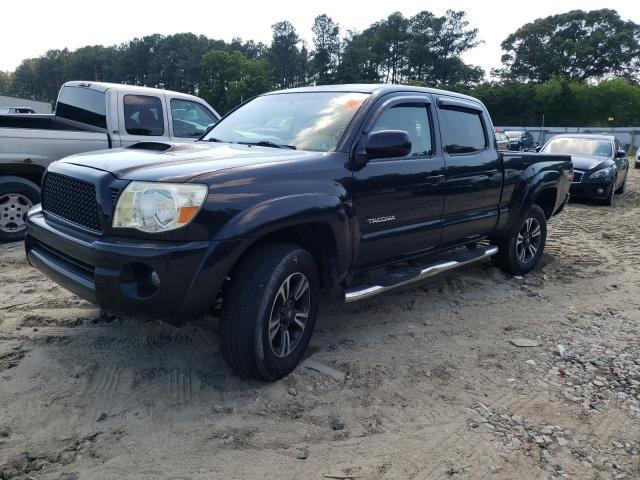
317	222
546	198
28	171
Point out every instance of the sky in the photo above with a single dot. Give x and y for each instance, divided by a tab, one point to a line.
30	27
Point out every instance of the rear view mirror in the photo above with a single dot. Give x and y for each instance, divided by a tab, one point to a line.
621	154
388	144
538	148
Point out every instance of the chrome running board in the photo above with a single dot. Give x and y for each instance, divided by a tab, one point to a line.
404	277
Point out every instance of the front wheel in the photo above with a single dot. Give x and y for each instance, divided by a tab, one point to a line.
269	310
520	253
621	188
610	200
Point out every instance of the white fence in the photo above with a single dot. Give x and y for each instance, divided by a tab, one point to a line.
628	136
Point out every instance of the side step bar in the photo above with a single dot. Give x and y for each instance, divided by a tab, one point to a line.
404	277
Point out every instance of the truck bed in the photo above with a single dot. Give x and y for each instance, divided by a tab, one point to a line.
36	122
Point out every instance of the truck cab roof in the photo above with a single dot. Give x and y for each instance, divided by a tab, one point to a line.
133	89
377	88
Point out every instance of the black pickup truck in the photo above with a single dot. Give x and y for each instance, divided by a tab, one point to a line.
360	188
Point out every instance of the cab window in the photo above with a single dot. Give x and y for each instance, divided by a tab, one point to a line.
410	118
462	130
143	115
190	119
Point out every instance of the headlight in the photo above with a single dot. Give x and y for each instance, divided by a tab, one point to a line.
158	207
604	173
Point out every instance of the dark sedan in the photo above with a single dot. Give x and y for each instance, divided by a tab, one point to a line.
600	164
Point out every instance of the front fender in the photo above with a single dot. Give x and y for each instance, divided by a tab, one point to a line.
289	211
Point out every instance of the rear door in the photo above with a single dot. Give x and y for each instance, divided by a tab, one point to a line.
473	173
142	118
398	201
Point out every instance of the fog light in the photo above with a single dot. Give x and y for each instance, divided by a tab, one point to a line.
155	279
600	191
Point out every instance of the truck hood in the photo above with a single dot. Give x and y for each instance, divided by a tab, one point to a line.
587	162
182	162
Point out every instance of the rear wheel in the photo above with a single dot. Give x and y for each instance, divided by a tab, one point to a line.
520	253
17	196
269	311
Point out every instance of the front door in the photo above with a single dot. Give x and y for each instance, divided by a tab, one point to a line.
398	201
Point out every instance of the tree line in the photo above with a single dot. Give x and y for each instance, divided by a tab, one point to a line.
550	66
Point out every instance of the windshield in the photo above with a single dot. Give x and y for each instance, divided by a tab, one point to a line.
307	121
579	146
514	134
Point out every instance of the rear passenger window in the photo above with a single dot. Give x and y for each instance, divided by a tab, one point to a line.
143	115
411	118
462	130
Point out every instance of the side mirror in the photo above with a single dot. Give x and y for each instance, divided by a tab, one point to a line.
621	154
388	144
538	148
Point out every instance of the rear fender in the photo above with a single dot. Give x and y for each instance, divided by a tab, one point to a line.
533	180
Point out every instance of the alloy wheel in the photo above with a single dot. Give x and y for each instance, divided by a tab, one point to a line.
289	314
528	241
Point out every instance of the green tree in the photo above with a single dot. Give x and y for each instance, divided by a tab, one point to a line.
249	49
285	59
436	45
5	82
95	63
47	74
390	45
326	49
231	78
359	62
424	49
576	45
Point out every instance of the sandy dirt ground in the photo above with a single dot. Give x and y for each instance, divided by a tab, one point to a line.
433	386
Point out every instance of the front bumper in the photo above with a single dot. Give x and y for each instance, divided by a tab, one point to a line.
116	273
594	190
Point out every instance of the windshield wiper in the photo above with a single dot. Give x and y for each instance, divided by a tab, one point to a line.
268	143
215	140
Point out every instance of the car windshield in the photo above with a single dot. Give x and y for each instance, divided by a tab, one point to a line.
579	146
514	134
312	121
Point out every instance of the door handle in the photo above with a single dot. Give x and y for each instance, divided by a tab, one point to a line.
435	179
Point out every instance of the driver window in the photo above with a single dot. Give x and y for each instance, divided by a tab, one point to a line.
190	119
411	118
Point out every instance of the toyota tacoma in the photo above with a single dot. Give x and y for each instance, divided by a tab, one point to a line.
359	188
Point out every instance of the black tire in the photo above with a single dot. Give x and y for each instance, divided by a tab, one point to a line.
610	200
509	256
620	189
248	308
13	213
